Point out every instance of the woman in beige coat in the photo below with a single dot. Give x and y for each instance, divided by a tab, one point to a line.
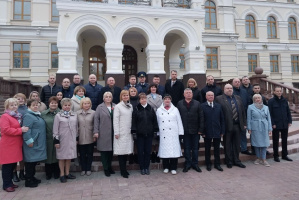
122	122
79	93
65	133
103	131
85	131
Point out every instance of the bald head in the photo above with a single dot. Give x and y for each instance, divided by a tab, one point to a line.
66	83
92	79
228	90
236	83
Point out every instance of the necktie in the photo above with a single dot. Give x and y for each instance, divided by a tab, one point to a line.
234	109
211	104
172	83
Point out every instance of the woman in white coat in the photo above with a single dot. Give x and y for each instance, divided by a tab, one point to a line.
122	122
170	127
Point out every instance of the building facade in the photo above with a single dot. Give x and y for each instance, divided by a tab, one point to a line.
224	38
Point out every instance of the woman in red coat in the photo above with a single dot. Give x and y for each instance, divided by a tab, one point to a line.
11	142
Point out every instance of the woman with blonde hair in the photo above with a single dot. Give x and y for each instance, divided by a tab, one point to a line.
103	131
11	142
35	95
85	132
65	133
192	84
122	121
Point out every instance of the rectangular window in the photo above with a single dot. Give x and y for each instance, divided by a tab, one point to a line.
54	56
21	55
252	62
212	57
54	11
22	10
274	64
295	63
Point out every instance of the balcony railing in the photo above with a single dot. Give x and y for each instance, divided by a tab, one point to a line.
135	2
176	3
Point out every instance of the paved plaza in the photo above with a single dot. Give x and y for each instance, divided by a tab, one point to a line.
280	181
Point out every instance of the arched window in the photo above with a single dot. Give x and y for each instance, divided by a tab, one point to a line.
210	8
292	28
250	26
272	31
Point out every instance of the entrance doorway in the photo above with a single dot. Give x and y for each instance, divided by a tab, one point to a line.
97	62
129	62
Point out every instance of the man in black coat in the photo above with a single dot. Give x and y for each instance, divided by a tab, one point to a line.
93	91
144	125
211	86
66	89
213	131
245	100
174	88
246	85
144	86
256	89
235	122
132	83
76	82
49	90
111	88
161	88
193	123
281	120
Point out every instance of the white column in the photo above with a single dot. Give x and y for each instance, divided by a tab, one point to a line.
67	57
155	58
226	19
113	1
114	58
283	32
156	3
194	60
80	60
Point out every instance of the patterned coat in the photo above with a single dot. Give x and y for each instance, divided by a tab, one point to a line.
170	127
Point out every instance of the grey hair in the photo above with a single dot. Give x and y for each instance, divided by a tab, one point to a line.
65	100
105	94
256	95
187	89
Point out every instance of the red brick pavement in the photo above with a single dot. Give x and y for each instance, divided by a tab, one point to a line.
280	181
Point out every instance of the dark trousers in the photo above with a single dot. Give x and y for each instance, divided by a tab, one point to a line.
191	144
144	148
106	158
52	168
232	145
7	174
86	156
30	170
284	141
208	145
170	163
122	159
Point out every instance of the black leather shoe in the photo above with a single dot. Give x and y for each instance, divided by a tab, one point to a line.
127	172
111	171
70	176
157	158
38	181
240	165
268	153
142	172
196	168
276	159
30	183
218	168
15	177
63	179
124	174
107	173
209	168
48	177
229	165
186	169
287	158
246	152
147	171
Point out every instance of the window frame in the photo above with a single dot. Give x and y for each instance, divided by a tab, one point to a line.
53	16
292	25
274	61
21	55
270	25
211	8
250	62
211	55
22	10
295	63
54	53
249	26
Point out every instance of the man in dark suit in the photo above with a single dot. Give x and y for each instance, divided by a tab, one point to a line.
193	122
161	88
132	83
281	120
211	86
174	88
235	122
111	88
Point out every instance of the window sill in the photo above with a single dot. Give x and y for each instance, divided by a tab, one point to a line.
20	72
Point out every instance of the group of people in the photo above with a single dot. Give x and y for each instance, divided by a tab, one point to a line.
148	120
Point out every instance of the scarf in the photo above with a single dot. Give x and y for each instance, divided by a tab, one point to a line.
259	105
14	114
80	97
36	113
